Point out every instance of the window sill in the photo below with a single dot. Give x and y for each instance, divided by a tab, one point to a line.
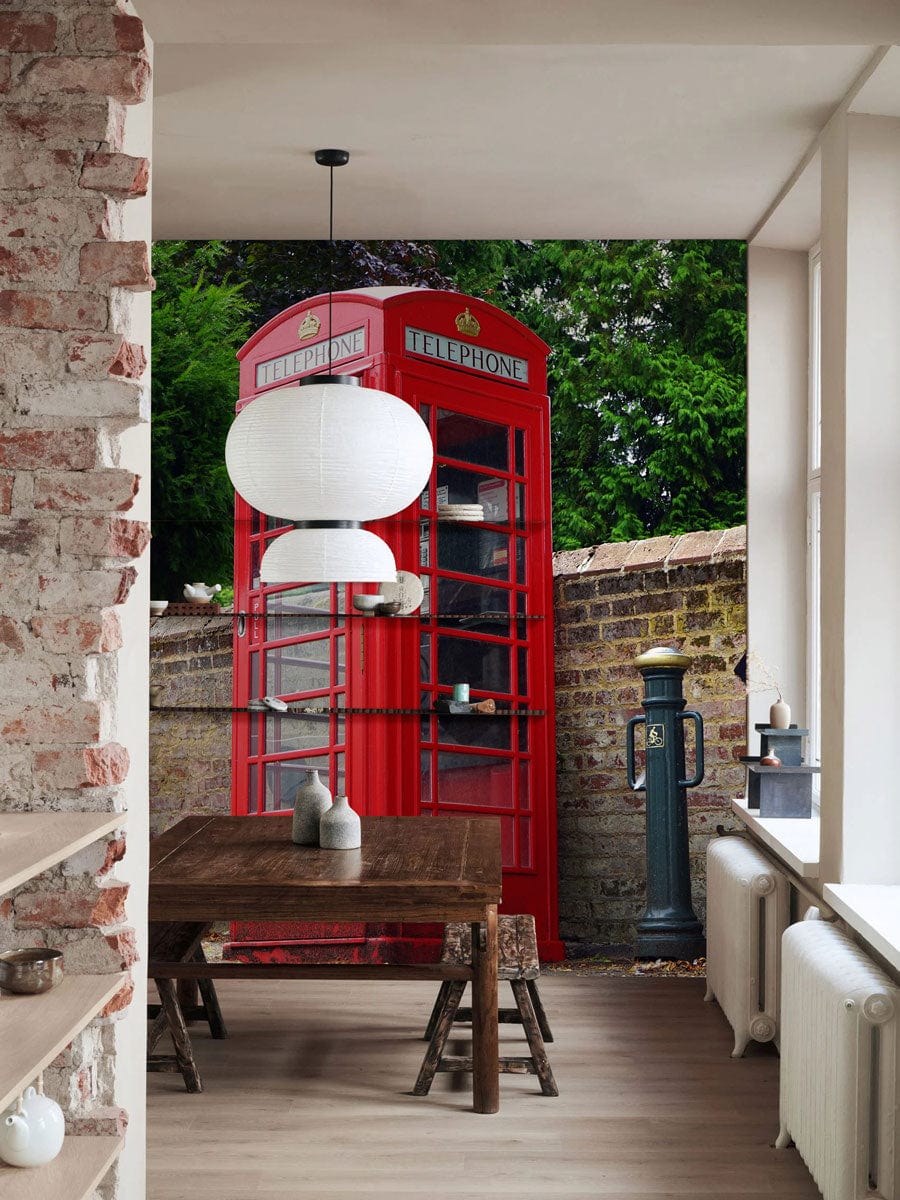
873	911
795	840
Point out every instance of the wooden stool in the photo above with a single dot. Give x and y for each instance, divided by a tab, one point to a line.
180	943
520	966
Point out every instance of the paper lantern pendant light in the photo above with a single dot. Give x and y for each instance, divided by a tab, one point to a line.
329	451
328	454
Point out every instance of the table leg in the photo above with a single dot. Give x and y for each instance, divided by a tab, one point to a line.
485	1032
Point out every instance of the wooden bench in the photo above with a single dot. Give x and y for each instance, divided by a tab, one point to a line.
178	1005
519	965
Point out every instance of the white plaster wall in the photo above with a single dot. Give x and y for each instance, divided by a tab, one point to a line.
777	373
861	500
133	718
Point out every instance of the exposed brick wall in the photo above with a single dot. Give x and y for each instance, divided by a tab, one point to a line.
612	603
70	388
190	754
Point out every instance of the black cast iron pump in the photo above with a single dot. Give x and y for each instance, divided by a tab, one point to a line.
669	927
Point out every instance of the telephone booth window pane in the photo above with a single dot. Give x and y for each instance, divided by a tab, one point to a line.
253	791
254	565
468	550
425	787
522	683
470	487
425	722
484	666
487	733
285	735
520	560
470	440
303	667
425	657
524	841
523	734
283	779
277	522
340	651
524	784
470	600
474	780
520	505
520	451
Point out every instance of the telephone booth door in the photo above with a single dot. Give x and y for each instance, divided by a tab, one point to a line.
485	620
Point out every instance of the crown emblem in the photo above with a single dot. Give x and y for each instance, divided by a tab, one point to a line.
309	327
468	324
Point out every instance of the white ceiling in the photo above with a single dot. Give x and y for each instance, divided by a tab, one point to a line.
497	118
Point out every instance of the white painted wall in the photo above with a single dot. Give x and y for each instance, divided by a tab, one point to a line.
776	480
860	500
133	719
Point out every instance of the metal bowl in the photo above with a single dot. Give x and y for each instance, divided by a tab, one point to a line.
31	971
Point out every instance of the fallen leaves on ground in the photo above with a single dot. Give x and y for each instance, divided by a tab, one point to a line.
599	965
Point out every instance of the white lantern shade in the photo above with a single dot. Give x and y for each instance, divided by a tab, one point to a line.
333	554
329	452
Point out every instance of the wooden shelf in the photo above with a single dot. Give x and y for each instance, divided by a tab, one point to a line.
33	842
33	1029
73	1174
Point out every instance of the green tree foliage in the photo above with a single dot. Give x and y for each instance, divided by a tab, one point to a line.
647	376
646	373
197	327
278	274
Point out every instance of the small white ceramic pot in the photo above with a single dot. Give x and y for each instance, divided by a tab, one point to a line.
340	827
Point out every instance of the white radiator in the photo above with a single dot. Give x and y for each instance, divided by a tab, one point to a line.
839	1063
747	910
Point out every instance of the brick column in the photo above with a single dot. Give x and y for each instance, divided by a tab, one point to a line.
72	391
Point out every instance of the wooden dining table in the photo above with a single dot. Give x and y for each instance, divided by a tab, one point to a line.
429	869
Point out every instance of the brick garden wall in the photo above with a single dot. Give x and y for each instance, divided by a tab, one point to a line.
72	399
190	754
613	602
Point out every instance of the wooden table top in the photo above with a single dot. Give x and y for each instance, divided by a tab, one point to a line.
408	868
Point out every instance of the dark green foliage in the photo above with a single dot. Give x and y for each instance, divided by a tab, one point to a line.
647	376
276	275
197	326
647	373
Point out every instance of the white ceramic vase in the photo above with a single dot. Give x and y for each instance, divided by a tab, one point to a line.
35	1135
780	715
311	801
340	827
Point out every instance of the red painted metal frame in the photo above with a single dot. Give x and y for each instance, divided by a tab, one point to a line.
382	755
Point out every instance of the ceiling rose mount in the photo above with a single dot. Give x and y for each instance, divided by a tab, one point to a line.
332	158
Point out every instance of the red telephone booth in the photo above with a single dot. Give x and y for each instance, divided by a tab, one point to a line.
477	377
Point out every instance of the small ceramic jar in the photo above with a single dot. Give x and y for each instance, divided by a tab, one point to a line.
340	827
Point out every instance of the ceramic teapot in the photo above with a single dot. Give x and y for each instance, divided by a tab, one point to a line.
34	1135
201	593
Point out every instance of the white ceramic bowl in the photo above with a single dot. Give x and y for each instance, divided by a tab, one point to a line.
158	606
367	602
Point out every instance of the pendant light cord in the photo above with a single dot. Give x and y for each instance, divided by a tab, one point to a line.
331	261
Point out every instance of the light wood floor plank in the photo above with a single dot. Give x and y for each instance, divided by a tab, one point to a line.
310	1097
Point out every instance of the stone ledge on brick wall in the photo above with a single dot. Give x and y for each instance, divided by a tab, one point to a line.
708	545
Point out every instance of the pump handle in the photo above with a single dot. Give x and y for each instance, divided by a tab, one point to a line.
698	749
629	753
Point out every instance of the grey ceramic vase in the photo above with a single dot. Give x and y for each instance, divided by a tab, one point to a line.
339	827
311	801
